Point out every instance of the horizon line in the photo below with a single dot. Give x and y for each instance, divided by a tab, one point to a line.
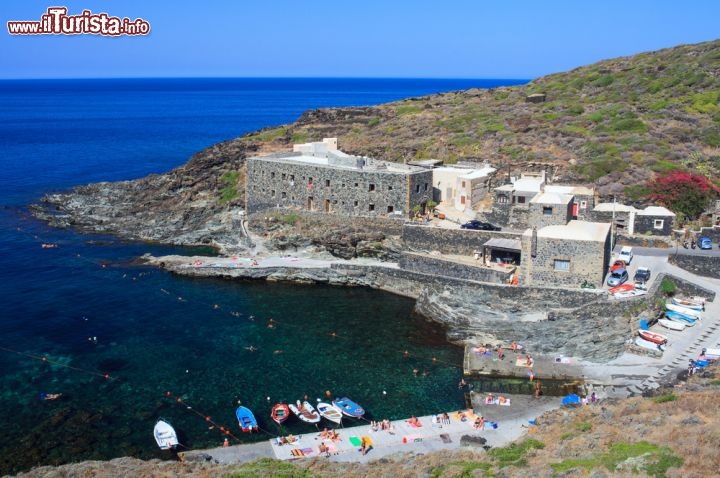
260	78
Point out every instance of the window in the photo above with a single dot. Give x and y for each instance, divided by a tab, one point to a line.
371	207
309	180
502	199
356	184
292	177
521	199
327	183
390	209
583	204
283	195
283	176
389	188
272	175
272	192
462	184
417	188
658	223
371	187
355	203
425	186
562	265
547	211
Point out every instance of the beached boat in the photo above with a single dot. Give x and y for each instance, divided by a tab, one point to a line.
678	317
348	407
689	303
621	288
280	413
305	411
711	353
672	325
329	412
165	435
653	336
684	310
646	344
246	419
634	292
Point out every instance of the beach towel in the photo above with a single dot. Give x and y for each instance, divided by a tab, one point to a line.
306	451
296	452
355	441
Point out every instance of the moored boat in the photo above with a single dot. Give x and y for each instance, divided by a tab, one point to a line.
305	411
646	344
280	412
246	419
329	412
165	435
689	303
671	324
678	317
653	336
621	288
684	310
348	407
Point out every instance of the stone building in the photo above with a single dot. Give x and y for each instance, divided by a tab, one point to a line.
549	209
317	177
655	221
565	255
583	198
462	188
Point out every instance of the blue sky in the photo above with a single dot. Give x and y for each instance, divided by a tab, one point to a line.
318	38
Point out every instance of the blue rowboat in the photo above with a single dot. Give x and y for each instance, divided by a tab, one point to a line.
246	419
682	318
348	407
688	303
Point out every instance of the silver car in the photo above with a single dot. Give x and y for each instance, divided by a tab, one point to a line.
617	277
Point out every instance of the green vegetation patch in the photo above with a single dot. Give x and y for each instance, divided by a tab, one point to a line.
230	190
462	469
584	426
268	134
514	454
374	121
266	468
641	457
290	219
667	287
597	168
408	110
300	137
668	397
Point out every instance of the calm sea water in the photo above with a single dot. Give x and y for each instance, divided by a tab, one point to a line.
88	309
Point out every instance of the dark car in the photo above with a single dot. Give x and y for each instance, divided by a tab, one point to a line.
479	226
705	242
642	274
618	277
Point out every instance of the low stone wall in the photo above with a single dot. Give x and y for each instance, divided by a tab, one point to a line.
435	266
660	242
387	225
449	241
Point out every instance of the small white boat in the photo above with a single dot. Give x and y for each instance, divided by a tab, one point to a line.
689	303
683	310
629	293
165	435
671	324
711	352
329	412
646	344
305	411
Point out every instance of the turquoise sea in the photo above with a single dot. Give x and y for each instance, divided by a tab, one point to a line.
74	314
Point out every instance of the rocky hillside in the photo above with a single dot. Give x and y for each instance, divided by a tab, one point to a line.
673	434
614	123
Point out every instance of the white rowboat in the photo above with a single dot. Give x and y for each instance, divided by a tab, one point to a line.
671	324
329	412
165	435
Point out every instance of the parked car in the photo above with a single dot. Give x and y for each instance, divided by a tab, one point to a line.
618	264
642	274
626	254
705	242
618	277
479	226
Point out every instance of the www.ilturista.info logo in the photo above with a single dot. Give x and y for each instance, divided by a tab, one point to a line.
57	22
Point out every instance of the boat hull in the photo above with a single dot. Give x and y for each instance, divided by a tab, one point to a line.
165	435
329	412
671	324
690	304
280	413
683	310
646	344
678	317
305	412
653	336
246	420
348	407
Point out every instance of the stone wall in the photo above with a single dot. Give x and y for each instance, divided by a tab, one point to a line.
646	225
436	266
449	241
587	261
345	191
585	214
391	226
701	264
